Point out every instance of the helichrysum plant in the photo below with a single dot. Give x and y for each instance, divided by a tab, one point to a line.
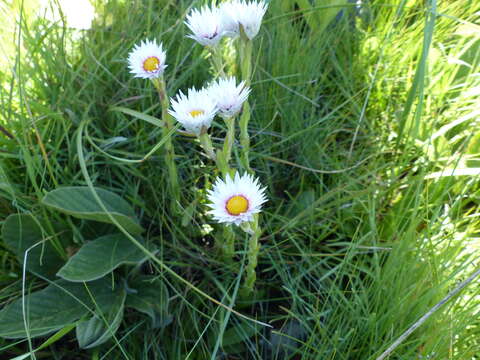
147	61
235	199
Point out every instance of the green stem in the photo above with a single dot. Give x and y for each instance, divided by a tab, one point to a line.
206	143
229	139
159	84
223	156
252	257
246	48
246	68
245	137
217	62
228	243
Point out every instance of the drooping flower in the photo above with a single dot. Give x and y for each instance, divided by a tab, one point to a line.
205	25
248	14
229	96
234	201
147	60
194	111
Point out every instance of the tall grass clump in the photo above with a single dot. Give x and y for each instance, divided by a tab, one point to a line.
361	124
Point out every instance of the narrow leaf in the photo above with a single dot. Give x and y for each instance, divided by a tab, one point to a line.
148	118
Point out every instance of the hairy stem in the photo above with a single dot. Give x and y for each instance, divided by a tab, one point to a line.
224	155
229	139
252	258
159	84
246	68
207	145
228	243
216	58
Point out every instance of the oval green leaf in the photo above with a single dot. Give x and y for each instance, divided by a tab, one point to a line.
99	257
80	202
101	327
149	295
50	309
20	233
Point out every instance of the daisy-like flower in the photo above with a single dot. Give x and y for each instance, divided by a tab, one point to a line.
194	111
205	25
228	96
147	60
249	14
236	200
228	17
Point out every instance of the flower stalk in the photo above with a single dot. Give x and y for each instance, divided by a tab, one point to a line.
245	51
207	145
228	244
159	84
229	139
217	62
252	257
223	160
224	155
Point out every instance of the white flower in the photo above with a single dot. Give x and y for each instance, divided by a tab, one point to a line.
236	200
228	96
147	60
194	111
228	17
205	25
249	14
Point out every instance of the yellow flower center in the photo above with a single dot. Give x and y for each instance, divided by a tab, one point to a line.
196	113
151	64
237	205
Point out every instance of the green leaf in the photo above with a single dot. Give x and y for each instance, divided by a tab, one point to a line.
80	202
21	232
148	118
52	339
320	14
149	295
99	257
330	9
101	327
59	304
239	333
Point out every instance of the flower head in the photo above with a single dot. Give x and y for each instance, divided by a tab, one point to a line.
205	25
248	14
147	60
229	96
194	111
228	17
236	200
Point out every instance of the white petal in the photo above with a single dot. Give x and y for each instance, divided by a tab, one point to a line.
195	101
228	96
248	14
205	25
143	51
246	186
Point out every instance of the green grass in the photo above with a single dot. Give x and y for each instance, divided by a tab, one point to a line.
360	129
